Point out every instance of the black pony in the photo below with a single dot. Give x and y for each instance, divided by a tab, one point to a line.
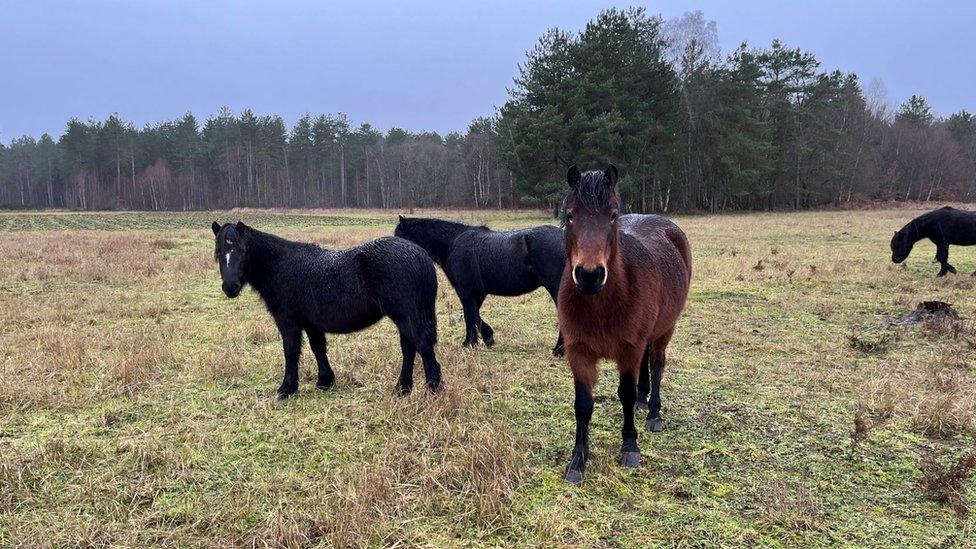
311	289
943	227
480	262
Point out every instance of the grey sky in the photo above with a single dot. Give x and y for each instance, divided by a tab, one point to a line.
417	64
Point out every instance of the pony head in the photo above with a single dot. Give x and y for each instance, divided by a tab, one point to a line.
230	252
590	219
901	246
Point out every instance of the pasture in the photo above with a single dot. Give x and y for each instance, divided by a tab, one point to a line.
137	403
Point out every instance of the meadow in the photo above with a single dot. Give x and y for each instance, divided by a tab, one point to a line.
137	402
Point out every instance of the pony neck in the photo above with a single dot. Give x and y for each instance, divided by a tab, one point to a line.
915	229
264	251
442	236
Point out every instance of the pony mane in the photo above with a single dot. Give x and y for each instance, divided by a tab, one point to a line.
439	228
593	192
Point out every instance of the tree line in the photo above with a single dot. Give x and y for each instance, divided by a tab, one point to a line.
689	129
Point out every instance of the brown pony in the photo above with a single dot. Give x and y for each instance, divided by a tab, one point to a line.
625	283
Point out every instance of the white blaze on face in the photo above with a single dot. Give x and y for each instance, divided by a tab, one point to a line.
227	257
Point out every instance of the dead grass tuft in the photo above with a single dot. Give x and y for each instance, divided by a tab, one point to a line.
790	506
871	341
862	428
947	485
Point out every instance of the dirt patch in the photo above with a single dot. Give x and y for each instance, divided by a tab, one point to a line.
928	312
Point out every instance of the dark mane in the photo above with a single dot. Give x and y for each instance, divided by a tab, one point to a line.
440	228
265	246
594	192
433	235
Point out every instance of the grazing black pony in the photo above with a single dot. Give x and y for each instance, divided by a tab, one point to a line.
311	289
943	227
480	262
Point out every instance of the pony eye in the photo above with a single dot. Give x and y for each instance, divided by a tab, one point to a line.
613	215
569	217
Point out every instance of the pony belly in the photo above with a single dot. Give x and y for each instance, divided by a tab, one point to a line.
351	321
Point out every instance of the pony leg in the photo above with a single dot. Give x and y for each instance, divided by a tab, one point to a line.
316	340
291	339
584	376
472	318
942	256
405	383
627	392
654	423
559	349
432	369
487	333
643	380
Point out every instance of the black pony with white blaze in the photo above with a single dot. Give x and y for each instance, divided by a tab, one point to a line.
313	290
480	262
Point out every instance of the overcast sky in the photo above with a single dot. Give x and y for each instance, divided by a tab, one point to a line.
417	64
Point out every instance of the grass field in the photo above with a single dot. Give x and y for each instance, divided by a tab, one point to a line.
137	403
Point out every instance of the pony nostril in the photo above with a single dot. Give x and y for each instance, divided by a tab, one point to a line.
591	279
601	274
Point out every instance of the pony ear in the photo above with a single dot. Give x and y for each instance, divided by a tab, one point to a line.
215	227
402	219
611	174
242	227
573	176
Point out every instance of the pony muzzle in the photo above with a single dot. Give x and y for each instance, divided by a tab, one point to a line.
231	289
589	281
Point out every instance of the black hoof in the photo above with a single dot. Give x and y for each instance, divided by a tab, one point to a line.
435	387
630	460
403	389
655	424
489	341
558	352
574	476
285	391
325	385
469	344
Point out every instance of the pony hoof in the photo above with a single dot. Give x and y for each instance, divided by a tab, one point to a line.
325	385
469	344
286	390
559	352
403	390
489	342
435	387
630	460
574	476
654	424
641	403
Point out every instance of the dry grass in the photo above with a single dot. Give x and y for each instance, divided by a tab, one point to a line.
136	403
948	485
